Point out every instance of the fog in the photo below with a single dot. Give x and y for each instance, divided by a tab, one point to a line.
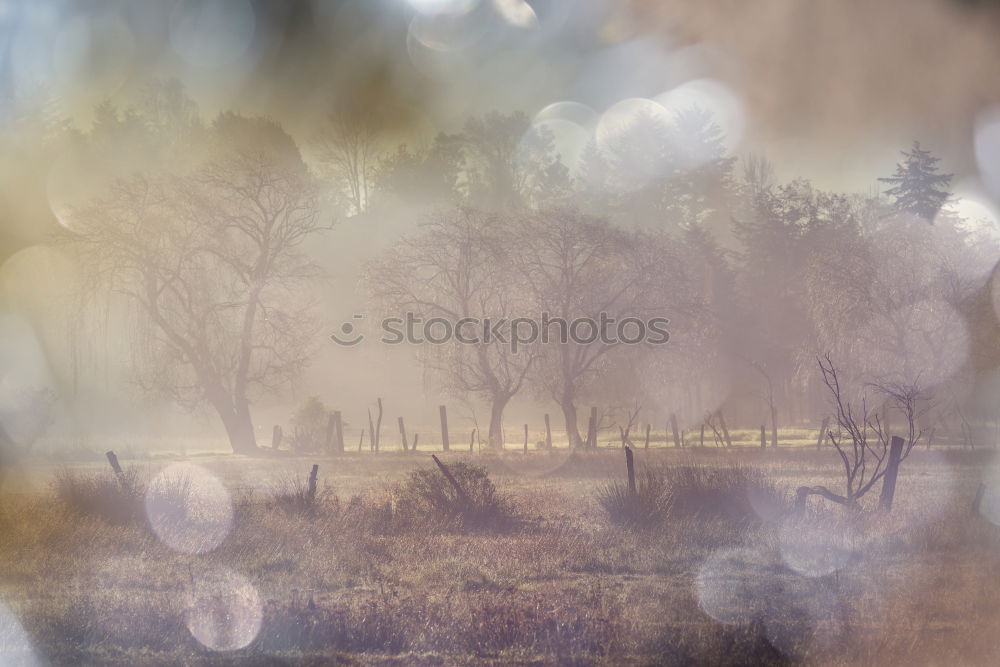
826	91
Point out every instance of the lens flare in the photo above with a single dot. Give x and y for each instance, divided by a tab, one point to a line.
728	585
15	645
518	13
987	148
718	100
224	612
189	509
443	6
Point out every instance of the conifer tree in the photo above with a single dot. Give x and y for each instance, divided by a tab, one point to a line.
917	187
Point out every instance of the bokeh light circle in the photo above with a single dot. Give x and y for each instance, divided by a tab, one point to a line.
224	611
986	143
714	97
728	585
517	13
189	509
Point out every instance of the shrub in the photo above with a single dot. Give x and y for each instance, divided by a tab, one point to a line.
114	498
738	494
644	508
426	496
309	424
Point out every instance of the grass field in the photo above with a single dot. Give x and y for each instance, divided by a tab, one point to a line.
259	572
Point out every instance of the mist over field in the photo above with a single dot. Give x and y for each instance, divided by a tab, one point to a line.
695	306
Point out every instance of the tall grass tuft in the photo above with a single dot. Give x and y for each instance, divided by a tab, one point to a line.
738	494
645	508
115	498
291	494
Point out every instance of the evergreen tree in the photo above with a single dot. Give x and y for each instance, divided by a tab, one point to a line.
917	187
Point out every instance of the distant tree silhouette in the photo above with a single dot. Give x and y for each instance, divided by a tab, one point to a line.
209	265
917	187
459	267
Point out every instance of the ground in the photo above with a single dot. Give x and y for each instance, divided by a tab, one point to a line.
272	582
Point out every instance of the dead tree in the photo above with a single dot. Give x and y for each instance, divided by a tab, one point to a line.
862	442
769	398
673	428
625	432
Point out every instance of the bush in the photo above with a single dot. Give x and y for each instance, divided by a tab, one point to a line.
426	496
738	494
644	508
114	498
291	494
309	423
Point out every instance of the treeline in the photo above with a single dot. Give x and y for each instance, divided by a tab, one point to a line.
201	229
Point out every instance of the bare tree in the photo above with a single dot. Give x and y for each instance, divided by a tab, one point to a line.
458	268
580	268
349	147
860	437
208	265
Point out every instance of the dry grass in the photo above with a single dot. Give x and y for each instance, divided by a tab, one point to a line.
563	584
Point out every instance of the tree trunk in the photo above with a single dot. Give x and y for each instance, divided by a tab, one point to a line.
496	421
572	433
774	426
239	429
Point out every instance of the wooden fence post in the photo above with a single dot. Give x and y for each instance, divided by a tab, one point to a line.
548	432
525	438
443	411
459	491
339	432
361	440
276	436
312	481
371	432
822	432
763	440
377	433
646	446
702	441
978	501
402	433
113	460
891	470
472	440
673	427
630	469
416	436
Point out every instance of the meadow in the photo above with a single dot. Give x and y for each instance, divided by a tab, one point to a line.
216	559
